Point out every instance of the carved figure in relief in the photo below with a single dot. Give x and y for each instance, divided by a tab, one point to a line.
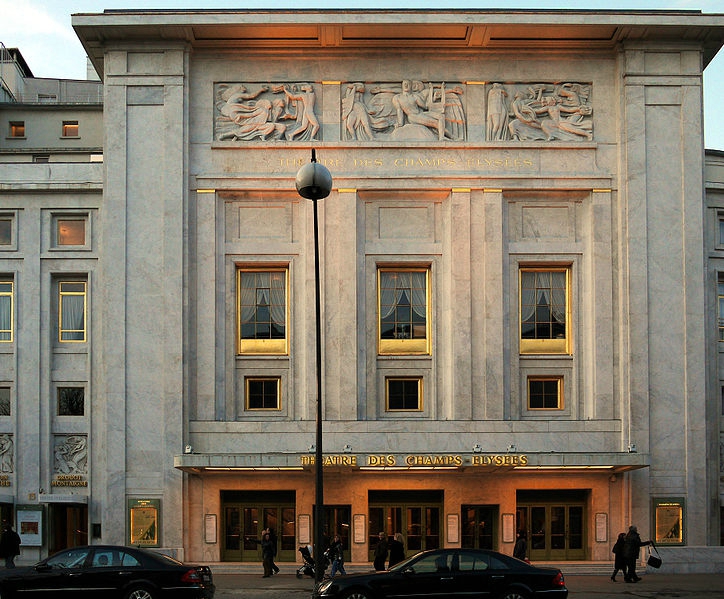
413	110
6	453
497	122
546	112
355	116
307	123
71	455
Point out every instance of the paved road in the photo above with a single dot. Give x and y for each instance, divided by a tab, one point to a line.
653	586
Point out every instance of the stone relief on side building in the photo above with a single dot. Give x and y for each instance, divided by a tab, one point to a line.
539	112
7	457
71	454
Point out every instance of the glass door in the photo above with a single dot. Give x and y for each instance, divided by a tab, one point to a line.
554	532
479	526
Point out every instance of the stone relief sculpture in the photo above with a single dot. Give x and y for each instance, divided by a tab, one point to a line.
71	454
539	112
283	111
409	111
7	460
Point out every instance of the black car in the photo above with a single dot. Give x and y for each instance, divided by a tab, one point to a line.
108	571
450	573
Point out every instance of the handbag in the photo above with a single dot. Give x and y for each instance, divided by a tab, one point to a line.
654	560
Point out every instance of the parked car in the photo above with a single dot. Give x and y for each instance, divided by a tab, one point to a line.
450	573
108	571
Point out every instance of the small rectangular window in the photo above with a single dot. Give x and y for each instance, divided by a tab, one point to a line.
263	393
721	230
4	401
72	311
404	394
6	311
41	158
71	401
71	129
262	311
17	128
545	393
71	231
6	230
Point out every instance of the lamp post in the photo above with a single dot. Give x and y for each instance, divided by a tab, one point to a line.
314	182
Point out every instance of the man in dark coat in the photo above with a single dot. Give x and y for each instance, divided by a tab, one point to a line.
631	550
9	545
381	551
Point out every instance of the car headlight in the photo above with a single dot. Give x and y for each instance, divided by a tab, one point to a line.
322	588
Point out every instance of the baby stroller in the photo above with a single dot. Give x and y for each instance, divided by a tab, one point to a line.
308	567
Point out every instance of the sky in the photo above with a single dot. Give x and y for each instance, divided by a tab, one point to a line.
42	30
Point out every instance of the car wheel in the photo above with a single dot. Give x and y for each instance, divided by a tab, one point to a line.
357	594
514	594
140	593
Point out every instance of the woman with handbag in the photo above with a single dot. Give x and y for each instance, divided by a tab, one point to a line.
631	550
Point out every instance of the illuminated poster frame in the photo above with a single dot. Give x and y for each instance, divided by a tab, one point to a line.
143	522
669	521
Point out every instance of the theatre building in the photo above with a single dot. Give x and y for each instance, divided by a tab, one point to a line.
518	314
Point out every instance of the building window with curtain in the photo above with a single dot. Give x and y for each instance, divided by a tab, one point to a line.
545	311
6	311
72	311
404	311
262	311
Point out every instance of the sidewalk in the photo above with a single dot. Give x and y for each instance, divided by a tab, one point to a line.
653	586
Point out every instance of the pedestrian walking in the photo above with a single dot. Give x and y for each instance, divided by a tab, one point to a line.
619	562
9	544
380	551
631	550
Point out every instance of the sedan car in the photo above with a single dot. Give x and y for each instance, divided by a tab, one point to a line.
450	573
108	571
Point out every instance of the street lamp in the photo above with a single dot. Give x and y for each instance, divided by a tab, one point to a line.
314	182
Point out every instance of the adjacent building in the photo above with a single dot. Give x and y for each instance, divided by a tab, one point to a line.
519	266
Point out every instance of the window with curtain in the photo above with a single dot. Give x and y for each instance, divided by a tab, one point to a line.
544	311
545	393
72	311
404	394
262	311
263	393
404	326
6	311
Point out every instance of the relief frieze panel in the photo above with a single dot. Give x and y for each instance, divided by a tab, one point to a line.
539	112
262	112
411	110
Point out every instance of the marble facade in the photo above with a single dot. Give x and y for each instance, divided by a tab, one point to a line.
483	144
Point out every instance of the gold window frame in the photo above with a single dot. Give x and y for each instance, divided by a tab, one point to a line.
248	380
420	393
392	347
545	346
547	378
63	294
17	129
7	289
262	346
